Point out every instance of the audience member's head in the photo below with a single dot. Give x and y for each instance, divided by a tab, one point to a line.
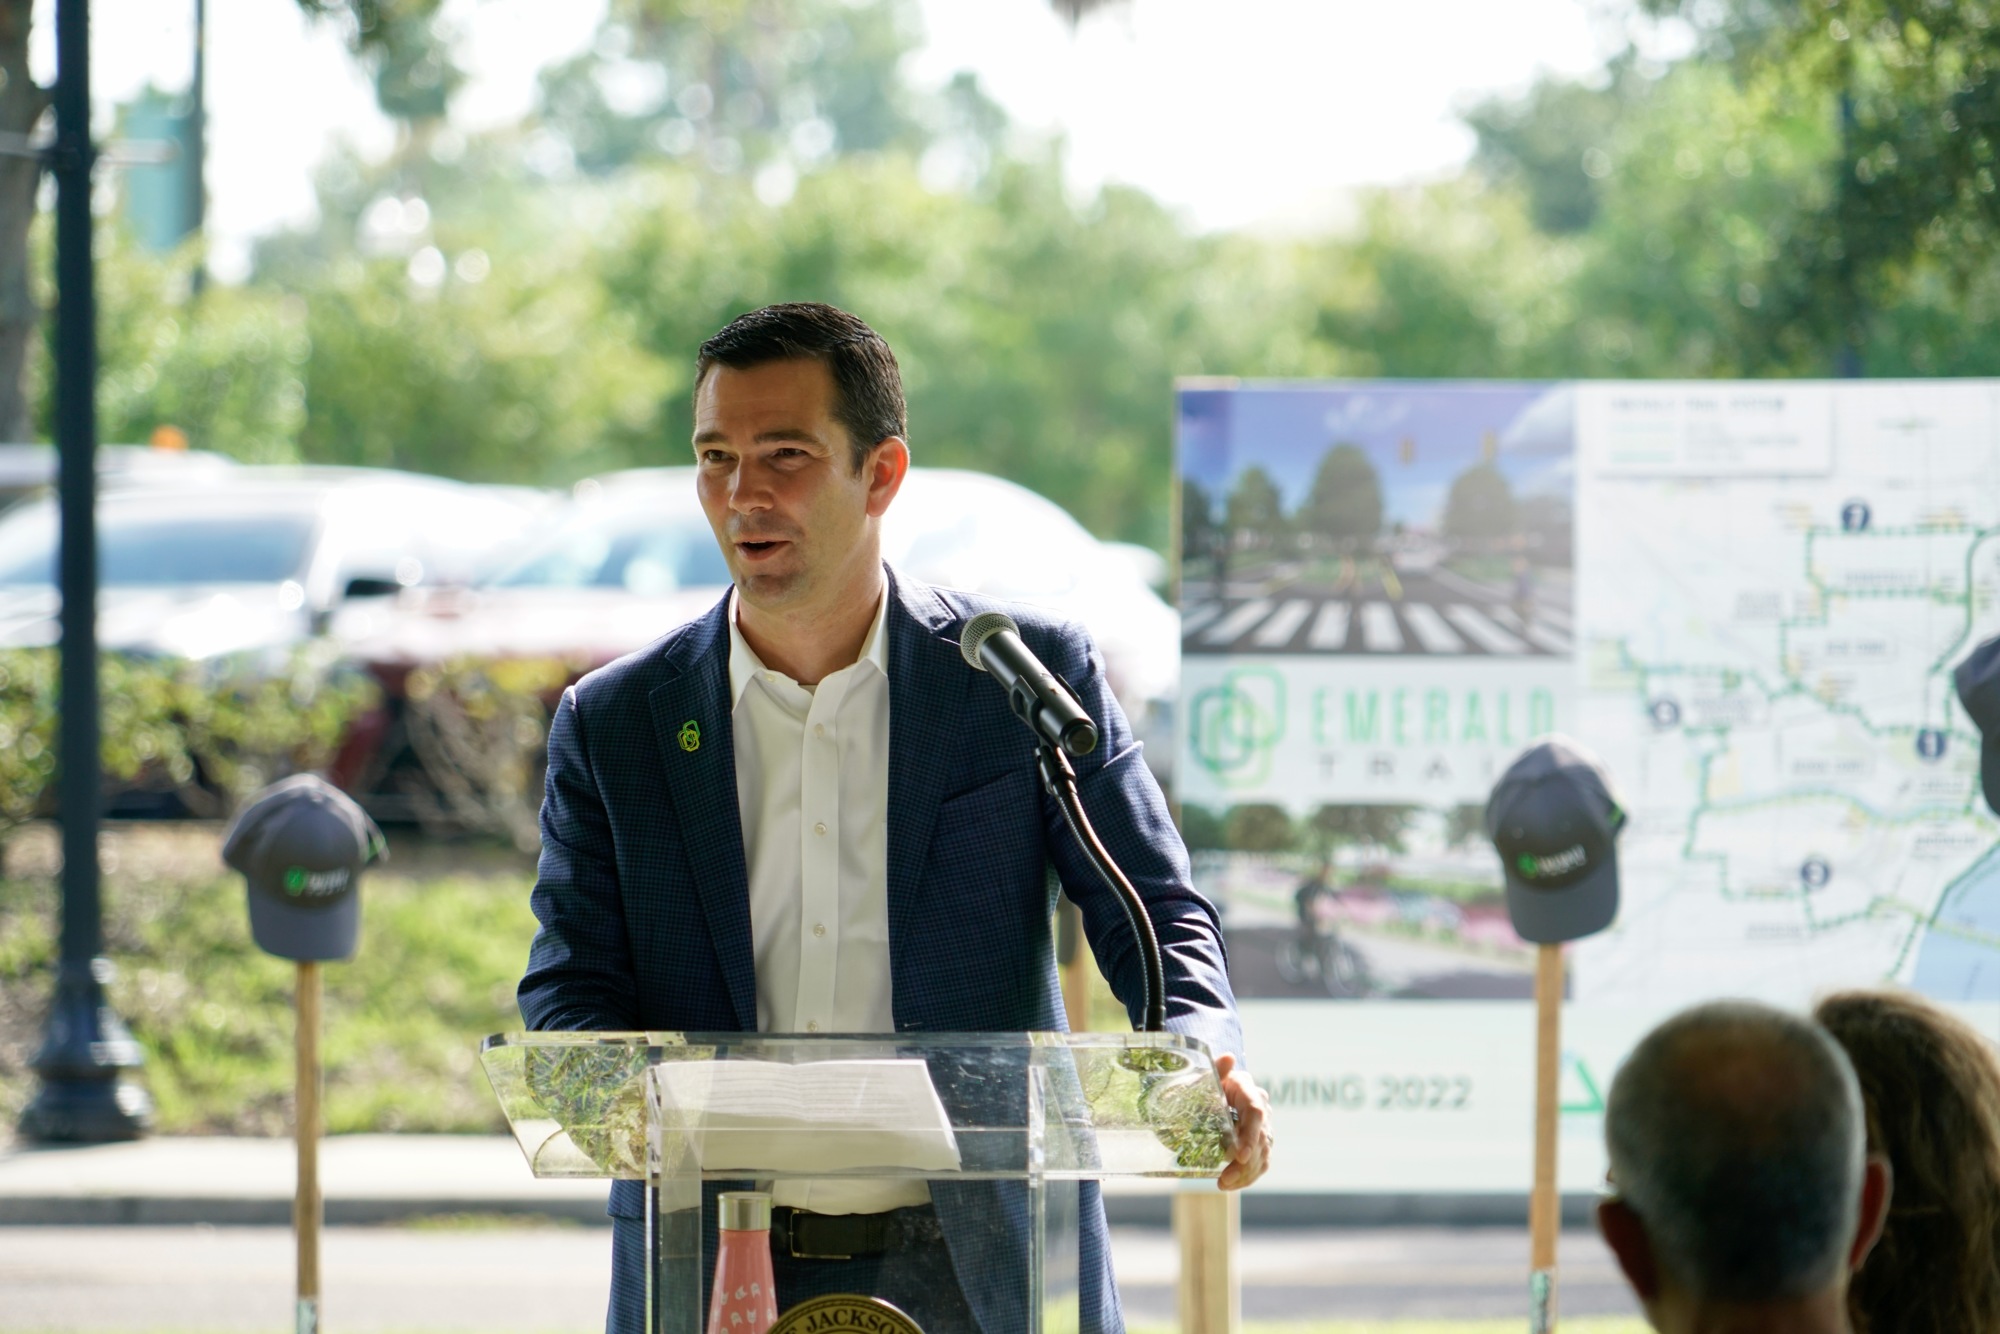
1931	1089
1743	1194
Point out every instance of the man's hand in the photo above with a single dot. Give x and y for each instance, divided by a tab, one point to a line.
1253	1125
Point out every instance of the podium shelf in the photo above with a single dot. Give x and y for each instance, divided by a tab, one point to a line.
926	1106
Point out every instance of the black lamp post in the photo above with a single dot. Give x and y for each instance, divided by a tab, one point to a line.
85	1046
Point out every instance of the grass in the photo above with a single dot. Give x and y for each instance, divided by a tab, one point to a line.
442	945
444	934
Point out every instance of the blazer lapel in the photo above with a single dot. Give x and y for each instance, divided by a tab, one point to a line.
691	722
927	683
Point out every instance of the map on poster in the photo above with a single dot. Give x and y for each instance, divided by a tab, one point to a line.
1774	582
1747	598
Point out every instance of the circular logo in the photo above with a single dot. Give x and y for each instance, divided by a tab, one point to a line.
1236	725
845	1311
690	735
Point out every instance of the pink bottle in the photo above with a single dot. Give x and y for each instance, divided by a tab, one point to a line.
744	1300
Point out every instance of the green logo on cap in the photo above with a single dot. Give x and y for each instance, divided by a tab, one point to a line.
1526	863
295	880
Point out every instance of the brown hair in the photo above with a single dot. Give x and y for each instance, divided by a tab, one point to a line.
1932	1088
867	384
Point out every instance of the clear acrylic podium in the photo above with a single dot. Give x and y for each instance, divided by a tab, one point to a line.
1001	1130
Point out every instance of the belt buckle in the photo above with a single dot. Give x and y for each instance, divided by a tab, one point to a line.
792	1239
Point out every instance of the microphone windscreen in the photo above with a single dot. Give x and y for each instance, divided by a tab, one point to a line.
980	629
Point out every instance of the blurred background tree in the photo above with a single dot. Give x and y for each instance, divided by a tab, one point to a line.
1380	828
1809	190
1344	506
1480	506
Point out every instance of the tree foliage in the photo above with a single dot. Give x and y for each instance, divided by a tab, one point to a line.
1255	510
1480	505
524	304
1259	827
738	85
1344	505
1376	826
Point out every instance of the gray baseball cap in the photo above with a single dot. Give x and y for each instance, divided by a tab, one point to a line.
301	844
1555	825
1978	682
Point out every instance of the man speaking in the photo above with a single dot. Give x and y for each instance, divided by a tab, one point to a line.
804	813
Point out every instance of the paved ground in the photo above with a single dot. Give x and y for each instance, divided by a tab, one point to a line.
538	1280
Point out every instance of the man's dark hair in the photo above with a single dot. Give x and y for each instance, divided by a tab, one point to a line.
1736	1135
867	385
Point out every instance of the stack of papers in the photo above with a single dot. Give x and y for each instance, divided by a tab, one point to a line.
764	1117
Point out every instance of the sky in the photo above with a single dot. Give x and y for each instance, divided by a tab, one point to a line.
1269	120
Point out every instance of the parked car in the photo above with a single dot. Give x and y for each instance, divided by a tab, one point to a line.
631	556
251	559
28	470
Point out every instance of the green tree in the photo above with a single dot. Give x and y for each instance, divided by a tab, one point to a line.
1344	505
737	84
1199	529
1480	506
1464	823
1254	512
521	376
1332	827
1551	142
1038	337
229	371
1203	829
1258	827
1908	185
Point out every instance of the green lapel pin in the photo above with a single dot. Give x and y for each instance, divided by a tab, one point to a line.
690	735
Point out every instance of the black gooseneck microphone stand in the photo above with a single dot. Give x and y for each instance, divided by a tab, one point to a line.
990	642
1059	781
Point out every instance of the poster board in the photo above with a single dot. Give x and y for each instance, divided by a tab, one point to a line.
1745	597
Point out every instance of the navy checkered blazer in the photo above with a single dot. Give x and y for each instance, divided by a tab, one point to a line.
644	903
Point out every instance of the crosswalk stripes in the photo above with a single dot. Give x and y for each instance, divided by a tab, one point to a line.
1329	628
1379	632
1482	631
1237	622
1195	617
1430	629
1552	637
1278	631
1307	624
1549	638
1554	616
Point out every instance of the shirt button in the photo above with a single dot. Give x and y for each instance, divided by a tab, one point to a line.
819	729
819	828
819	928
812	1025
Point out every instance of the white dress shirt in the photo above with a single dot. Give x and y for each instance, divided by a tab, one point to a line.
812	788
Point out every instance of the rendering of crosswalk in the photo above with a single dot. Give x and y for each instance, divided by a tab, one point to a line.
1280	624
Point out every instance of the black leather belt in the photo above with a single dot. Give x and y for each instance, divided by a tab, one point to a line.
808	1236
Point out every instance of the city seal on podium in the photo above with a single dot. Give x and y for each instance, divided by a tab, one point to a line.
845	1313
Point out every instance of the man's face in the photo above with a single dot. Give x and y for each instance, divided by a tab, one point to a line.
776	477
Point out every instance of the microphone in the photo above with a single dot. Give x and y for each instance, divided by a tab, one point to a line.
991	642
